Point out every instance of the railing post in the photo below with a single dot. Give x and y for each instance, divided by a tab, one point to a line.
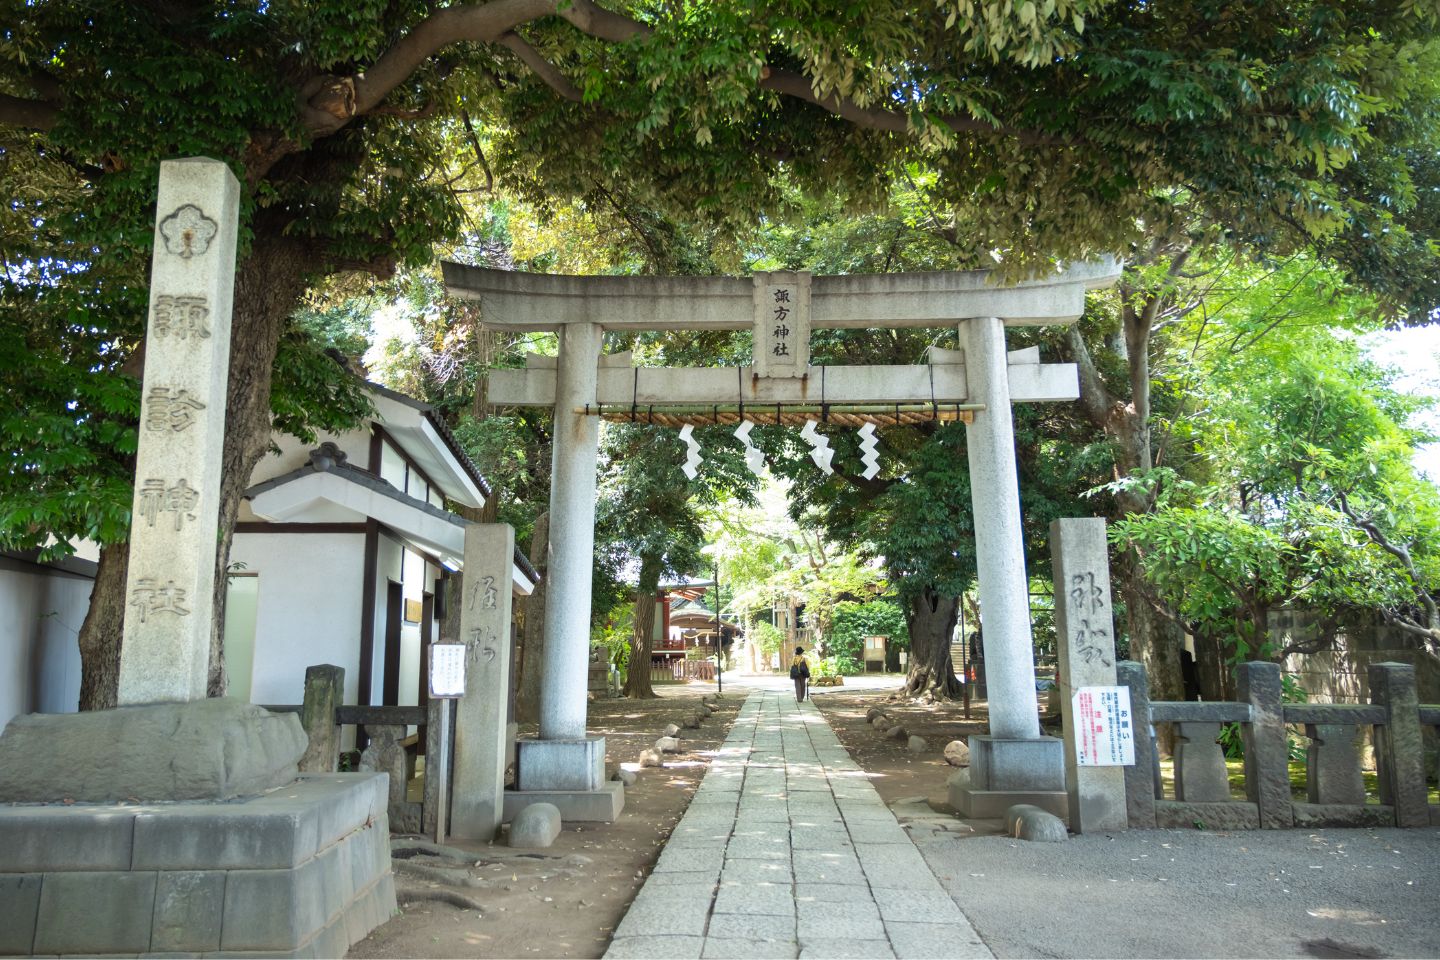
437	743
1267	754
1399	749
324	691
1139	779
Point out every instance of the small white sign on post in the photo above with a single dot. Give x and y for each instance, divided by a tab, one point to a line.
1105	731
447	671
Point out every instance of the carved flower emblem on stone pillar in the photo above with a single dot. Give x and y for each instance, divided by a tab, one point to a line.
188	231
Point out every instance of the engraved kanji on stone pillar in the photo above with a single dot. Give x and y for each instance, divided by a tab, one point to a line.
481	718
174	523
782	324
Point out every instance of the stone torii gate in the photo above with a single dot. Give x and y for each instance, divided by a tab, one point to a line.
977	384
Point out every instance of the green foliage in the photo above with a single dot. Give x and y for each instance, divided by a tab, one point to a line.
1293	427
852	622
312	390
767	636
70	449
612	634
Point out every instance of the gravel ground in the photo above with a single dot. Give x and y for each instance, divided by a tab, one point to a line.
1187	893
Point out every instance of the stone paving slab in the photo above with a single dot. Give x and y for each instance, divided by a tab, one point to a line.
738	949
768	899
857	920
656	948
832	948
788	851
936	940
671	878
833	893
739	926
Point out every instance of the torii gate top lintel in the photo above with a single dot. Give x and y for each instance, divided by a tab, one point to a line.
532	301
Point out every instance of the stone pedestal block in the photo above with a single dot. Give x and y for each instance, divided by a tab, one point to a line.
561	764
584	806
570	774
301	871
201	750
1004	772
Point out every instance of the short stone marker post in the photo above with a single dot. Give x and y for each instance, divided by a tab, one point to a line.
1141	782
165	651
324	691
1085	639
478	801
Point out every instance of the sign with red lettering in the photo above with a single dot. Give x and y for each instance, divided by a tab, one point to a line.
1104	727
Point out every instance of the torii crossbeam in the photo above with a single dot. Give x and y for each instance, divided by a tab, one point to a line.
780	308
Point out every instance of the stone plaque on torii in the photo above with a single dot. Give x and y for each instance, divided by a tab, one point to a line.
976	384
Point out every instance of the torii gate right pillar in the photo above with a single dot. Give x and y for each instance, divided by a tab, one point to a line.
1013	764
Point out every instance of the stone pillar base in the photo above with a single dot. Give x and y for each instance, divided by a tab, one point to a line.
594	806
299	872
565	766
1006	772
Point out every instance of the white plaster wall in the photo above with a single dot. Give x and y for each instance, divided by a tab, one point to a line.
310	587
392	466
294	454
40	616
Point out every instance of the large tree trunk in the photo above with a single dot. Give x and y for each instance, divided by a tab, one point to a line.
1155	641
101	631
268	285
1212	672
532	643
637	678
931	618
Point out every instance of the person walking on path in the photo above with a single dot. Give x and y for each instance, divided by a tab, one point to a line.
800	673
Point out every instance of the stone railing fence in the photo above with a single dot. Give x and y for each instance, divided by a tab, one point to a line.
1335	786
388	749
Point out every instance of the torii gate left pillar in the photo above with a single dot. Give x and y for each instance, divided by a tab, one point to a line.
564	766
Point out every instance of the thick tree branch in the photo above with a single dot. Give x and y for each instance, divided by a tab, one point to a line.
1422	595
328	102
404	113
602	24
1095	401
792	84
541	67
29	114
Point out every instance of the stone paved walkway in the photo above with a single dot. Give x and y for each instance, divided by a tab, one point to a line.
788	851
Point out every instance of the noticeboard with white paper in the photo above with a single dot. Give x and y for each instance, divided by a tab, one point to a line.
447	671
1104	727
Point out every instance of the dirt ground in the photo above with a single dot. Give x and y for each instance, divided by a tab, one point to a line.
897	773
566	900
